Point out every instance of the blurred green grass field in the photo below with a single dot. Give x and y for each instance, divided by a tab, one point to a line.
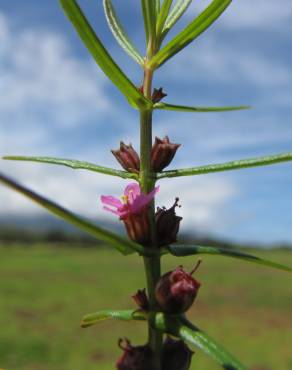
44	292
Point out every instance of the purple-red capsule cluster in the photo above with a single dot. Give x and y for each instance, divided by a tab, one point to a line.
133	206
134	357
175	293
162	153
176	290
175	355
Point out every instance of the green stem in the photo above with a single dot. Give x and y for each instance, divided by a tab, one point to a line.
151	264
153	273
146	180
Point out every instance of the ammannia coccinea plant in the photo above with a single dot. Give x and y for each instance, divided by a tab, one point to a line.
151	233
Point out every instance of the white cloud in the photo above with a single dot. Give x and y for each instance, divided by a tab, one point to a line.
229	65
259	14
209	138
42	82
250	14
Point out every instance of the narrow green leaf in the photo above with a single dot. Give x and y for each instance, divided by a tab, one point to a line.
120	33
125	246
181	328
76	165
183	108
193	335
173	325
190	33
228	166
101	55
190	250
123	315
149	8
176	13
157	7
162	16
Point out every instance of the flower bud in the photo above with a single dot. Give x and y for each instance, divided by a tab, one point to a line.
176	290
141	299
134	358
167	224
127	157
175	355
157	95
162	153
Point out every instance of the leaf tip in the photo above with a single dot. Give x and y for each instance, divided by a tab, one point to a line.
84	325
85	322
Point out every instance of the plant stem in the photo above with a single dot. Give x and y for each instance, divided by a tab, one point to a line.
146	180
153	272
151	264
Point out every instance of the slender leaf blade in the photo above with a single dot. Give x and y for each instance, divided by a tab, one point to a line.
75	164
190	33
101	55
190	250
157	7
123	245
182	328
162	16
228	166
176	13
177	326
119	32
123	315
149	8
193	335
184	108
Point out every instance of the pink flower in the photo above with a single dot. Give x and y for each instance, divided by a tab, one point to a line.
132	203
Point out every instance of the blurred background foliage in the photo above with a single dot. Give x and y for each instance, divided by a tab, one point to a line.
45	290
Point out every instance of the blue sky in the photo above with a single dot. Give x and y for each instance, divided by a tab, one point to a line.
55	101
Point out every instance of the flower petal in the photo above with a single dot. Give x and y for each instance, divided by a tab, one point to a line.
124	213
132	191
142	200
118	213
111	201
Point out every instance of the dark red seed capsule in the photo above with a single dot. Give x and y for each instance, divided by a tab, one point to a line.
167	224
175	355
141	299
158	95
162	153
134	358
176	291
127	157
